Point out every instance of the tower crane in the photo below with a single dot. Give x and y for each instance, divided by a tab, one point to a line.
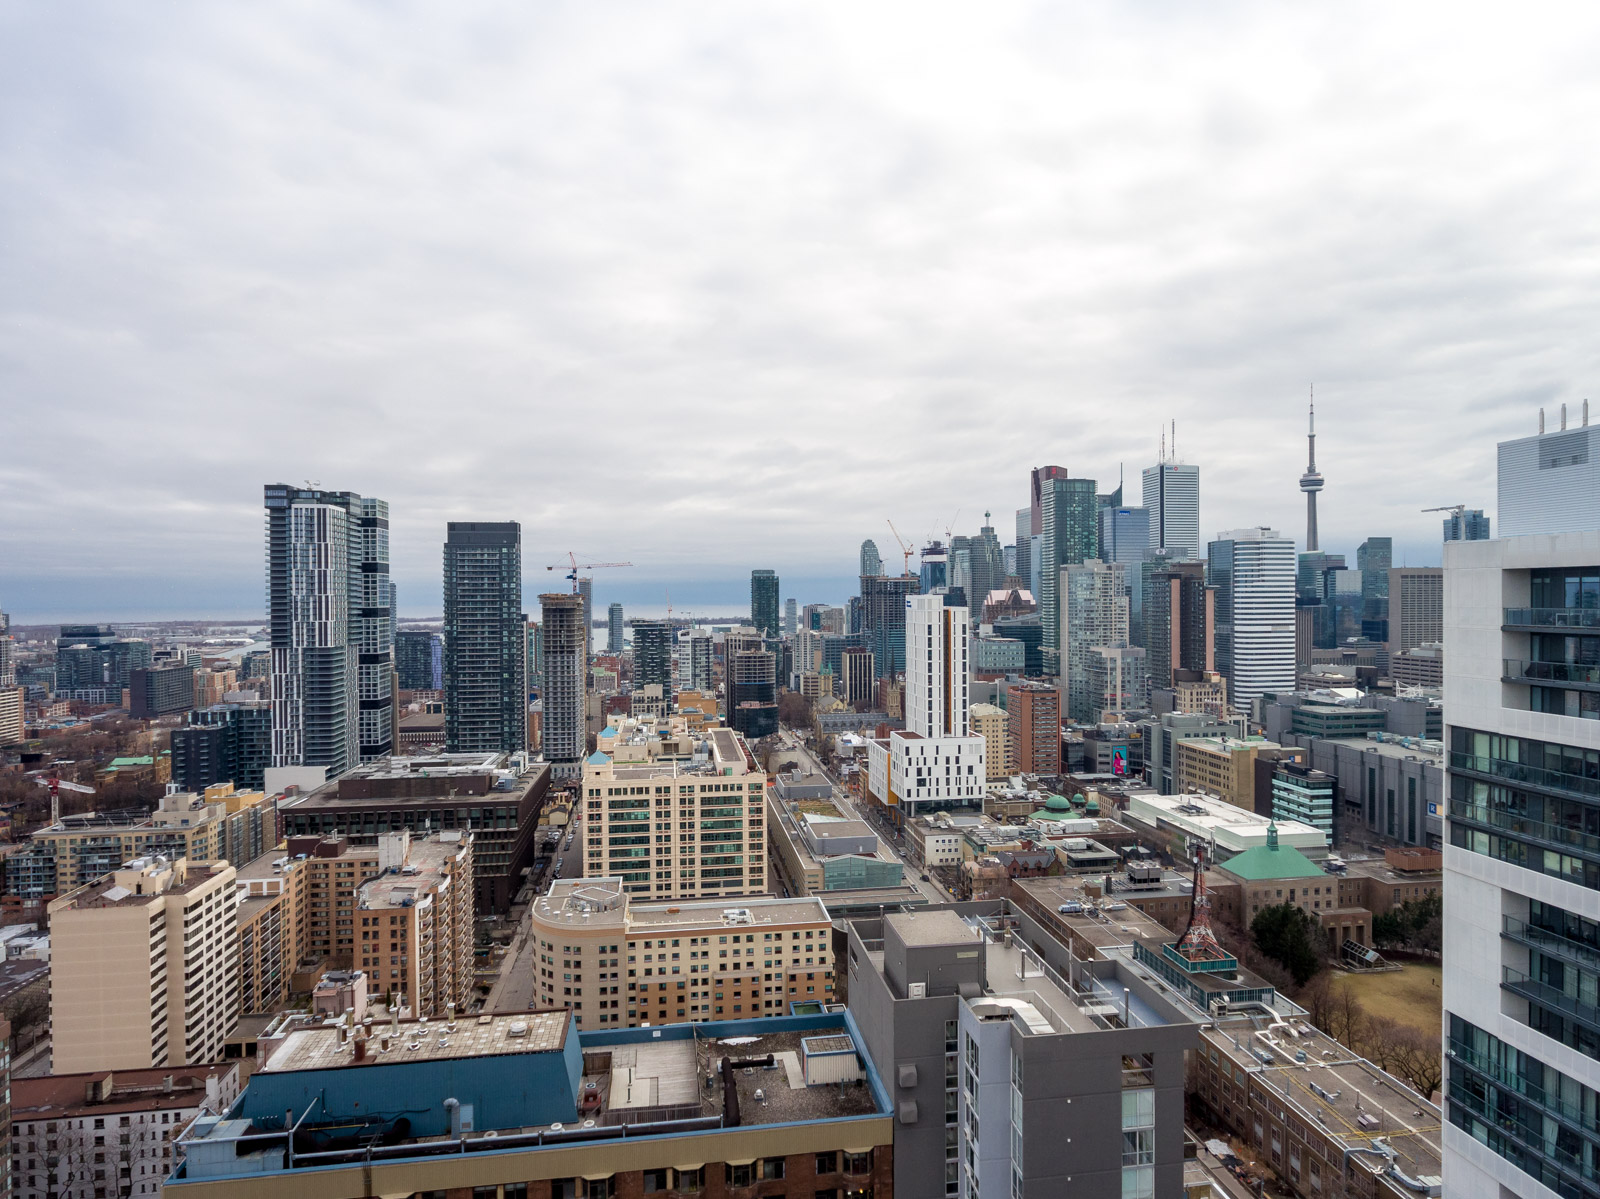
574	566
905	549
1453	509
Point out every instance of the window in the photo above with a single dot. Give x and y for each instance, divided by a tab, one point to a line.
771	1169
690	1180
828	1163
858	1163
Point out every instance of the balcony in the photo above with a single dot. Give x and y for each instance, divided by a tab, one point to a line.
1524	828
1551	998
1500	770
1579	953
1552	618
1564	674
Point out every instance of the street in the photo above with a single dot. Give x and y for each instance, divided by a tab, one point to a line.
513	989
888	837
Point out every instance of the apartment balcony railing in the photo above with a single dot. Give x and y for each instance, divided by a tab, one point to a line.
1533	776
1525	828
1566	674
1552	618
1553	998
1579	953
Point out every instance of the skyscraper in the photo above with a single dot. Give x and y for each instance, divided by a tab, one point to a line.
935	566
586	593
1311	482
764	602
1416	606
1521	861
1125	540
1179	620
416	652
883	605
328	612
871	562
1467	524
565	684
935	760
1023	568
485	646
936	669
1094	615
1172	498
652	656
614	629
1374	557
753	692
1070	534
987	571
791	617
1253	573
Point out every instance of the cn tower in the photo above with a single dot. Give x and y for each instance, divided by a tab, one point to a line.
1311	481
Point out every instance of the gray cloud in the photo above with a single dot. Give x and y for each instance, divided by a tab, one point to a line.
711	287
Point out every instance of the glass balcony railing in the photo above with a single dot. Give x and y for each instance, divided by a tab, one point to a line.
1533	776
1524	827
1570	673
1553	618
1555	944
1547	996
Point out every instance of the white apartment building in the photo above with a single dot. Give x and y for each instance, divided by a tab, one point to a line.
144	967
935	761
674	815
1522	861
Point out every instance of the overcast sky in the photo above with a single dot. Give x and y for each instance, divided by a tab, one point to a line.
711	287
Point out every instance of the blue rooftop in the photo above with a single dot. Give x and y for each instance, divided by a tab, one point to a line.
596	759
526	1081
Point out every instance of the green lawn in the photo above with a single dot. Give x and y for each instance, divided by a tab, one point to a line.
1411	996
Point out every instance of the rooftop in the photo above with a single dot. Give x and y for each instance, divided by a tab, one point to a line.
545	1086
323	1047
1347	1096
601	902
125	1091
1271	861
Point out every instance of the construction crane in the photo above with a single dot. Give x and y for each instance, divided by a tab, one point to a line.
574	566
1454	509
56	783
905	549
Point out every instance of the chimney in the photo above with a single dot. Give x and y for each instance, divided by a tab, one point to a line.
1541	422
361	1046
1586	414
166	1084
1563	416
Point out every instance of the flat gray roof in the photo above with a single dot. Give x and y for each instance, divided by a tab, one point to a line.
931	928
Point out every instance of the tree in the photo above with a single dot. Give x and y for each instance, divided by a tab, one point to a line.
1415	924
1288	936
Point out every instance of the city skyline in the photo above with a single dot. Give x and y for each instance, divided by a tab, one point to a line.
948	249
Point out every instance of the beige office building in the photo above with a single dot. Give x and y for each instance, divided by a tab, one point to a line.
1226	767
989	722
674	814
144	967
622	964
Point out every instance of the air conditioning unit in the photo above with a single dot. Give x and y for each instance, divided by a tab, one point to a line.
917	991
